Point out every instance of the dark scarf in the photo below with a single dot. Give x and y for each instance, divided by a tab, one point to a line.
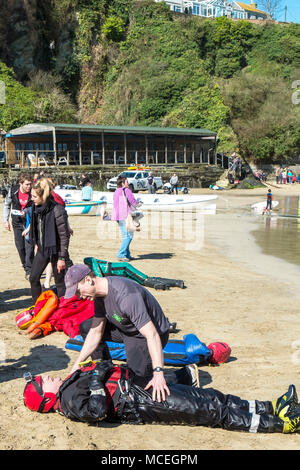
43	228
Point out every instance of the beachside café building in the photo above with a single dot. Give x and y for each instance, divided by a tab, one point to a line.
83	144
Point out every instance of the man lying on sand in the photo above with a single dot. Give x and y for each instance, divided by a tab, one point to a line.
101	390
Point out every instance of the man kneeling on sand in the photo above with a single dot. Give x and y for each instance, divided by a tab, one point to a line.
101	390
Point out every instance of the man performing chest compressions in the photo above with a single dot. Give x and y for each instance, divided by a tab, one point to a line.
125	312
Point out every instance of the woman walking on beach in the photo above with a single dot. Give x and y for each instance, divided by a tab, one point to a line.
124	200
49	231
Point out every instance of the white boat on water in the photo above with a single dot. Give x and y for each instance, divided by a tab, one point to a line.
152	202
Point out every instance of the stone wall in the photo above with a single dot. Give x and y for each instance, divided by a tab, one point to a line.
196	176
270	169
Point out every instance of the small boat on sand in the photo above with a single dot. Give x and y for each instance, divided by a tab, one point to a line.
152	202
83	207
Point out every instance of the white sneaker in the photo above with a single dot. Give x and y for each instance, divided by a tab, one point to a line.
194	373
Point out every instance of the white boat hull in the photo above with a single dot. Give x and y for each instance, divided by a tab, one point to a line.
152	202
83	208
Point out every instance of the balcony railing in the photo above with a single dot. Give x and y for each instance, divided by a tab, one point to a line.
48	158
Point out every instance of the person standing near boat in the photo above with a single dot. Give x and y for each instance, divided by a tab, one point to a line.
84	180
87	192
123	201
174	183
151	184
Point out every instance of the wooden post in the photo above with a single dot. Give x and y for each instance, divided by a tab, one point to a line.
79	147
103	148
68	157
54	146
166	150
125	149
215	150
146	148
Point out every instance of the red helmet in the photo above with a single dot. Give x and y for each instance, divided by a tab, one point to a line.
34	397
220	352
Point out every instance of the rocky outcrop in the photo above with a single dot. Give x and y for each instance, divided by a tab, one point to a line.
24	39
30	39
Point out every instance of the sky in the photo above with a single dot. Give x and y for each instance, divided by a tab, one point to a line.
293	10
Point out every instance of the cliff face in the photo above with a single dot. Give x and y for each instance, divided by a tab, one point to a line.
29	38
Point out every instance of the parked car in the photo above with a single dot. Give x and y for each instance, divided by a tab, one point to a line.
137	180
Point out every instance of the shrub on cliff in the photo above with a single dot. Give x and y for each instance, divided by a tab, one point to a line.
41	101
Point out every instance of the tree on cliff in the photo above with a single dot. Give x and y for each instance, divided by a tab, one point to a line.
270	6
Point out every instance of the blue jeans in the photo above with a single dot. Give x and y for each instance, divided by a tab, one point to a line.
126	240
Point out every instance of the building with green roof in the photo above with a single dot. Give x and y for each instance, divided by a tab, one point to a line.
85	144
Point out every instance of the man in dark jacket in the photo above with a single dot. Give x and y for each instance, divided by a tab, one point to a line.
104	391
16	202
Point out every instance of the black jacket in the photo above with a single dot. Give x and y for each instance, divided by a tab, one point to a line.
12	202
59	232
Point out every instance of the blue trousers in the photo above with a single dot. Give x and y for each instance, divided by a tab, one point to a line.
127	237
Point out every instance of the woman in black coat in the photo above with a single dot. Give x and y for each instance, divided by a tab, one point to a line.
50	234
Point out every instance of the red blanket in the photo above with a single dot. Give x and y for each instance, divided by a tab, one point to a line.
69	314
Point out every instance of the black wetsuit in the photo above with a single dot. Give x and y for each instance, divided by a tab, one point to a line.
83	396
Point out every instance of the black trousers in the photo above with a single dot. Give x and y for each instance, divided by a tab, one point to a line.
174	186
38	266
201	407
137	354
25	249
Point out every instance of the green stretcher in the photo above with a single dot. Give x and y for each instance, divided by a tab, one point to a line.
106	268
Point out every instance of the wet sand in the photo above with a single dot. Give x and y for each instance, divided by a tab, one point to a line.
234	294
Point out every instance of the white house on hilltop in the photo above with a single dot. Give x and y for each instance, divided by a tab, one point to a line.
217	8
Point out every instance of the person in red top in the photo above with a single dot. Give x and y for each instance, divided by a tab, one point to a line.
16	202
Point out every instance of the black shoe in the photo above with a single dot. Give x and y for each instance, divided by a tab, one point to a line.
172	327
286	403
193	371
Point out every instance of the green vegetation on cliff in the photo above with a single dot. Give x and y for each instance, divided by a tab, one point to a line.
41	101
134	62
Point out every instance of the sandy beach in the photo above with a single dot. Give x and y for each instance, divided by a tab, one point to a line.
233	293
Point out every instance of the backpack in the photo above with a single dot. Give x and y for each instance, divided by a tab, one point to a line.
114	385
